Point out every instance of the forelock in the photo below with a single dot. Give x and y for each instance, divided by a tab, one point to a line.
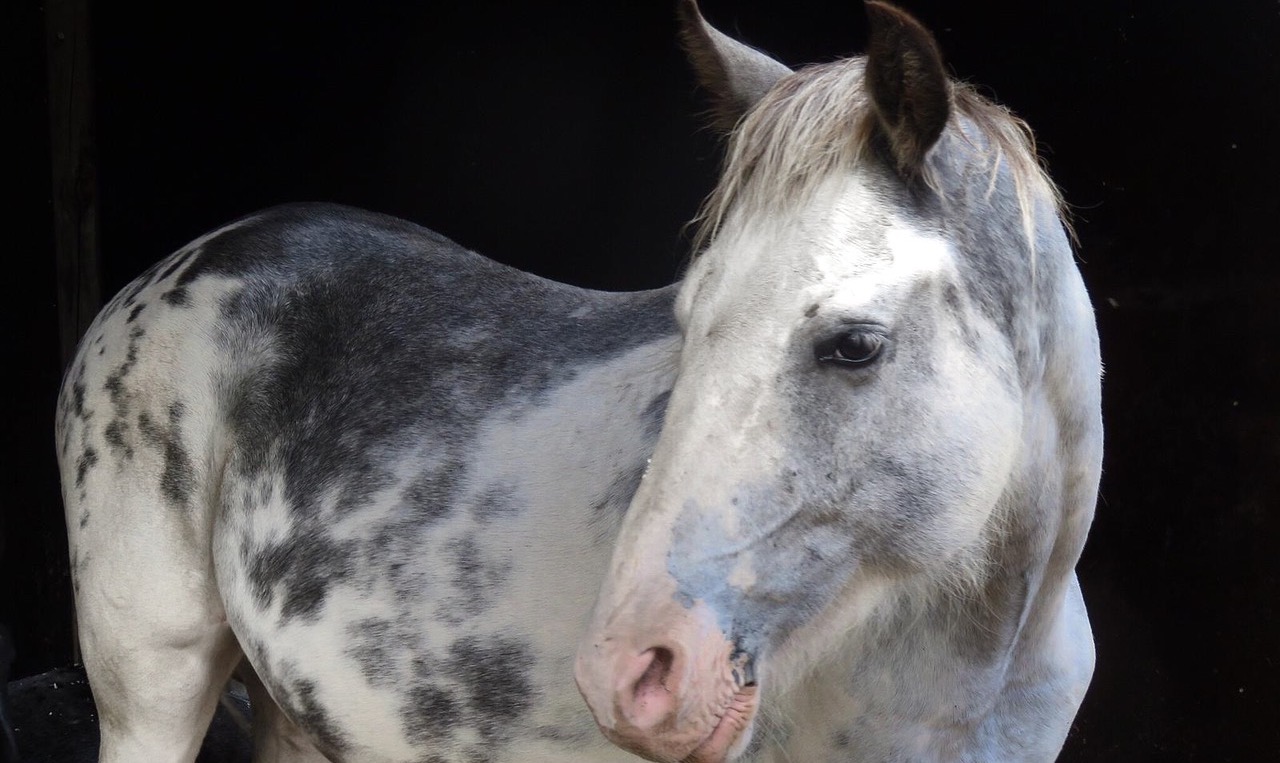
819	121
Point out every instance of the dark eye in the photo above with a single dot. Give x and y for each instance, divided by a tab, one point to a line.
854	349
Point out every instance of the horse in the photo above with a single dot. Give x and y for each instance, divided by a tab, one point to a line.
820	500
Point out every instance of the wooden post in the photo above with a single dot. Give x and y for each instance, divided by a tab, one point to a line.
73	159
75	222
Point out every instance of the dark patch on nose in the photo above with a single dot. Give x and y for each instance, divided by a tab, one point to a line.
177	478
306	566
811	311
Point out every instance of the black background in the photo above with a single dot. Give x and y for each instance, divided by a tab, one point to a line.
565	139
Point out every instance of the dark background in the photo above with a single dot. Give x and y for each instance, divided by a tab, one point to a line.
565	139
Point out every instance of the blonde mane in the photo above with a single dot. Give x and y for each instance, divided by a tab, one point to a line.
819	119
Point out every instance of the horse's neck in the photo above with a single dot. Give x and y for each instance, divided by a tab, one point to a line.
590	439
940	682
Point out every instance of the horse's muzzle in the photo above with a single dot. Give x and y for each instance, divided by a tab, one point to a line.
668	686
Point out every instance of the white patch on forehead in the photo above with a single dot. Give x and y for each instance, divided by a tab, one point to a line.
916	252
847	245
912	255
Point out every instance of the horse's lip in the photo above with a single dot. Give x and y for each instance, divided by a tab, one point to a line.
736	720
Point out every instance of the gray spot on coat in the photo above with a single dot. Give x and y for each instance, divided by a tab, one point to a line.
477	579
304	708
483	683
114	434
430	714
372	647
305	565
177	477
88	459
177	297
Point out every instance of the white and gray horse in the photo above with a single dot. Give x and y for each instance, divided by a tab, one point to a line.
826	494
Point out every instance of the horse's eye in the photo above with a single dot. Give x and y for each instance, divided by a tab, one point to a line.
855	349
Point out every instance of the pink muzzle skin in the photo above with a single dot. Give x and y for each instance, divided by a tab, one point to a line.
669	690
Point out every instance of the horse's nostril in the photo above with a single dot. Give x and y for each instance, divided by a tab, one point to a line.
653	698
655	676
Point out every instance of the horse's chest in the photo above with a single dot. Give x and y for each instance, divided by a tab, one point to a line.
411	626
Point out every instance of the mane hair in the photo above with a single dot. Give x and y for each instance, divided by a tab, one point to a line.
820	119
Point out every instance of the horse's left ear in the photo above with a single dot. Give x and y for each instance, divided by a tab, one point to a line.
736	75
908	85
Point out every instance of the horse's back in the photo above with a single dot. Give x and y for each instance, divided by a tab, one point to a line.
343	444
317	331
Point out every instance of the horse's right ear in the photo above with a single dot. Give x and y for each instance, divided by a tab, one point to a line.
736	75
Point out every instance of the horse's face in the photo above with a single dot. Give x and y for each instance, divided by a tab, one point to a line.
843	423
842	417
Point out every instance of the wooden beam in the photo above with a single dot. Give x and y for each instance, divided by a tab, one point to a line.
73	161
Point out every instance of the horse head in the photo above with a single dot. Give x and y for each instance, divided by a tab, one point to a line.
883	441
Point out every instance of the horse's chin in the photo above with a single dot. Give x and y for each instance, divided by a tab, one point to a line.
732	733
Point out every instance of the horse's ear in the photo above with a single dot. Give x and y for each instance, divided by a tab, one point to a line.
908	85
736	75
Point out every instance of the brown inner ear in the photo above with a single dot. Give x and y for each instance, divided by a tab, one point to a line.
735	75
908	85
